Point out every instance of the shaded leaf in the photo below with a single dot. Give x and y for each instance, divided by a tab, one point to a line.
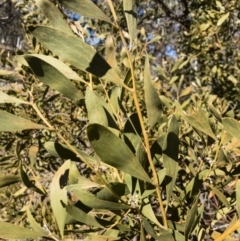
6	180
63	151
130	11
170	156
191	216
76	52
52	77
53	15
114	152
92	201
10	122
153	102
11	231
232	126
86	8
58	195
4	98
198	120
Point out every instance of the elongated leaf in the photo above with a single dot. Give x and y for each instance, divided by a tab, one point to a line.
114	152
170	156
76	52
57	64
95	237
83	183
58	195
4	98
11	231
98	110
92	201
220	195
60	150
238	196
53	15
153	102
86	8
6	180
232	126
130	11
10	122
147	211
223	19
191	216
198	120
35	226
51	76
88	219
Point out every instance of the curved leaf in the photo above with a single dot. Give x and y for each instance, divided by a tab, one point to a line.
58	195
153	102
232	126
92	201
86	8
114	152
4	98
51	76
76	52
10	122
6	180
11	231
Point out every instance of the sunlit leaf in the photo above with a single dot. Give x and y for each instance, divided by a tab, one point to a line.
130	11
4	98
76	52
238	196
51	76
34	225
32	154
11	231
153	102
53	15
198	120
88	219
58	195
86	8
92	201
223	19
232	126
170	156
10	122
114	151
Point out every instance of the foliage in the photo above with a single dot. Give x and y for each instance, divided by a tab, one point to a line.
104	152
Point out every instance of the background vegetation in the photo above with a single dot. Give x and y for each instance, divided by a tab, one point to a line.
121	122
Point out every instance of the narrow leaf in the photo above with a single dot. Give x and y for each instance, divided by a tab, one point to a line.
92	201
198	120
130	11
86	8
52	77
153	102
62	151
58	195
11	231
223	19
35	226
88	219
114	152
10	122
53	15
170	156
238	196
4	98
6	180
232	126
76	52
191	216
